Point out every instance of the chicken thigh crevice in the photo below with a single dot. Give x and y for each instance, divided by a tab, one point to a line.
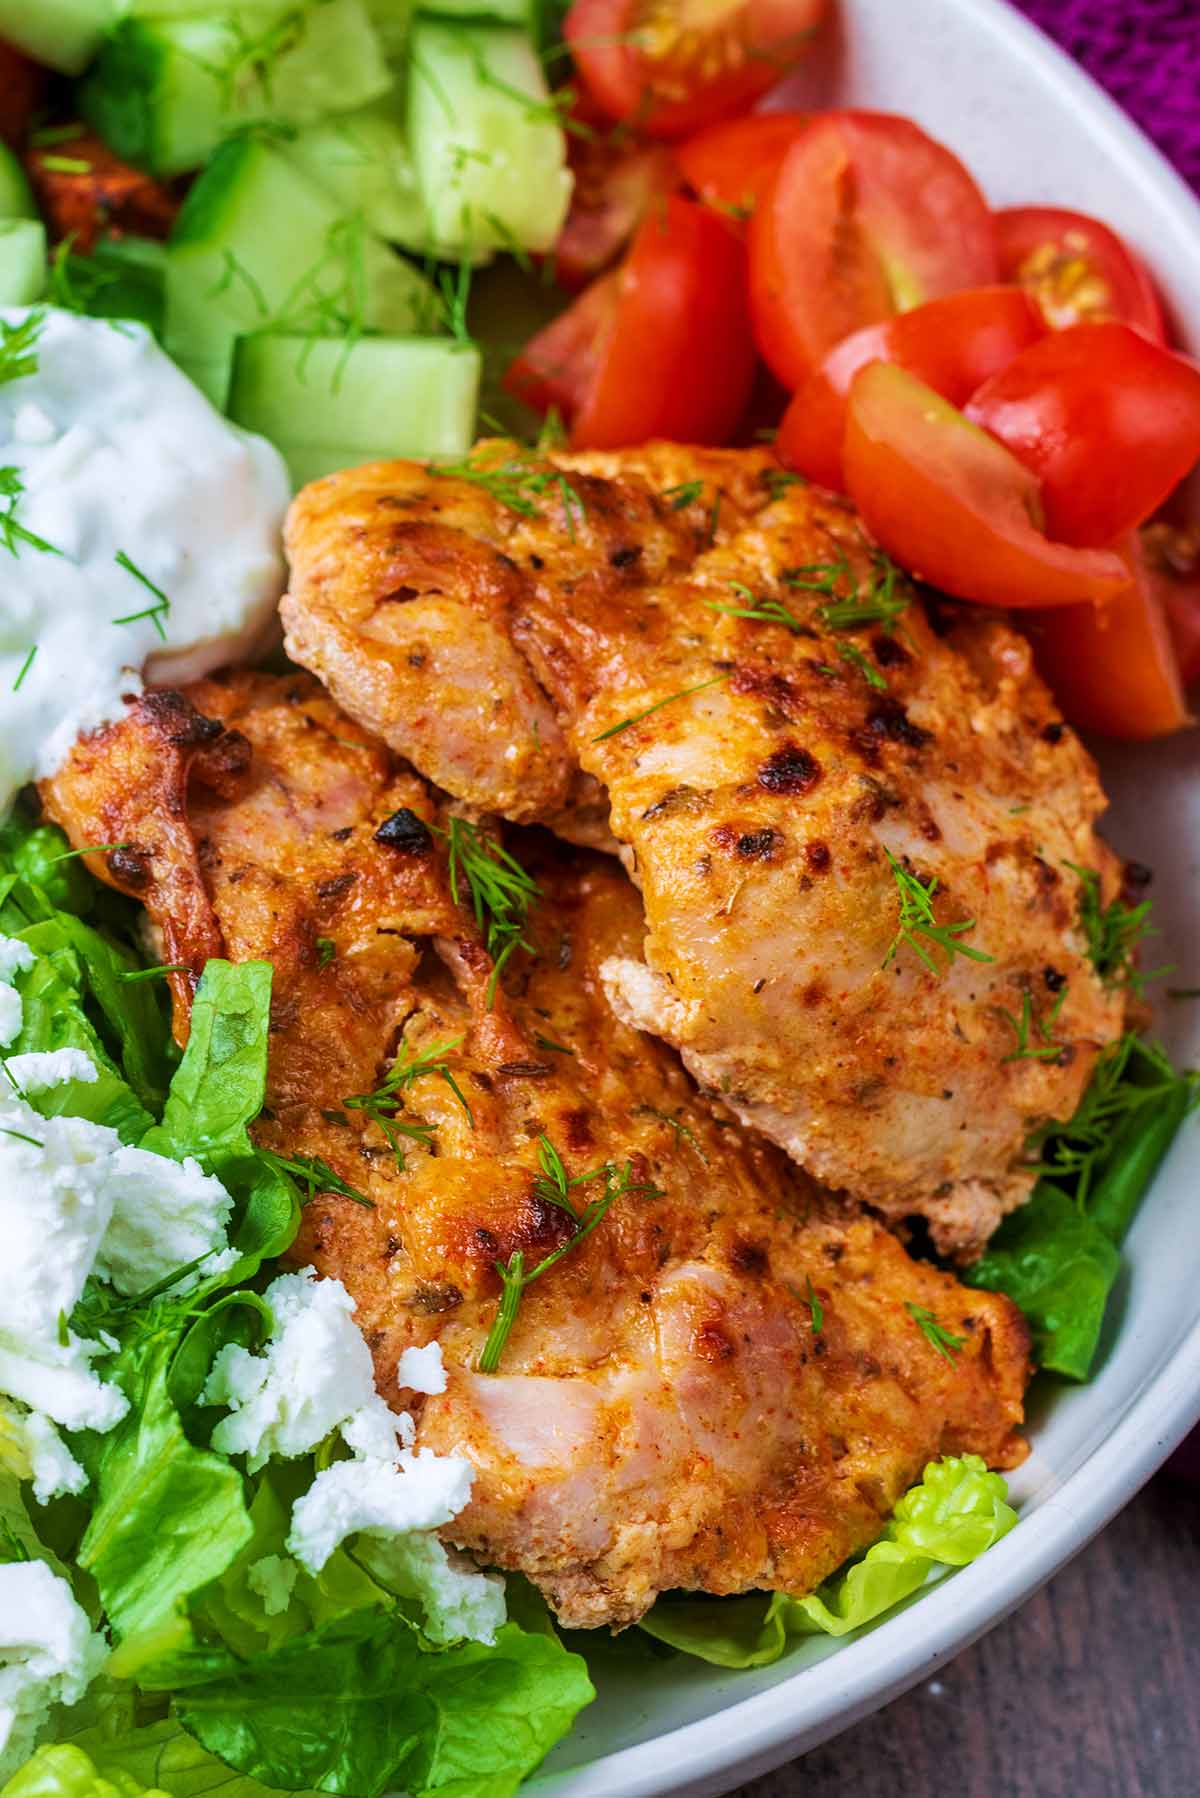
858	825
725	1386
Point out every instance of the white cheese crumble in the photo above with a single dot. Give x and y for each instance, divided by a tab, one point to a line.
459	1601
49	1654
122	461
40	1069
32	1449
422	1369
418	1491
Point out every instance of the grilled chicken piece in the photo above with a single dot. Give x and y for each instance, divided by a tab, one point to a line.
779	784
724	1385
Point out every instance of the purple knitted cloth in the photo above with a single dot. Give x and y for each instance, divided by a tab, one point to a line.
1147	54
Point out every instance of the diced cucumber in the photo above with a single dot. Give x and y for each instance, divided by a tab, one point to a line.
332	405
122	278
22	261
165	92
392	20
485	139
64	34
361	158
505	12
258	244
16	199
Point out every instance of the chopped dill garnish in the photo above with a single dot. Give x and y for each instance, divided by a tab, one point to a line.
1027	1048
877	603
501	892
18	346
917	921
129	975
13	533
454	290
518	484
66	165
850	652
34	1142
550	1046
683	1132
315	1176
383	1105
1113	932
26	665
326	950
69	855
816	1308
615	730
944	1341
158	611
778	480
766	611
683	495
514	1279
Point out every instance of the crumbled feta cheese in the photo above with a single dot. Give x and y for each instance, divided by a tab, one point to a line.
32	1449
49	1655
421	1369
42	1069
10	1015
458	1600
273	1578
16	957
421	1492
166	1214
315	1376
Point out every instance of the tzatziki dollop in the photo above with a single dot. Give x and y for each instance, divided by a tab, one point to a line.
139	531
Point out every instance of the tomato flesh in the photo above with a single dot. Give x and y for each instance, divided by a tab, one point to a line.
613	189
1078	270
669	69
953	506
1108	421
659	348
952	344
1113	668
866	217
730	165
1171	560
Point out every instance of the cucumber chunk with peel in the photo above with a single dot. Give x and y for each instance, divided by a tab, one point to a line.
16	197
329	405
22	261
362	160
64	34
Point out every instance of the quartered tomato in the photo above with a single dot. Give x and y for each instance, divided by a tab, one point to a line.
1113	667
866	217
953	506
659	348
1077	269
1171	560
668	67
730	165
21	86
614	186
1108	421
952	344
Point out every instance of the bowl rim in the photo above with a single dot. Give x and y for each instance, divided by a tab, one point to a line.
756	1734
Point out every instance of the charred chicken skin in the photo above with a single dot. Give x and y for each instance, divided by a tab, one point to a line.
725	1385
858	825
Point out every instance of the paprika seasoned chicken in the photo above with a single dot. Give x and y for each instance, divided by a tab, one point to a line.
728	1379
859	828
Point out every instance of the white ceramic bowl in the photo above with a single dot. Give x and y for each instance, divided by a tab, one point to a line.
1032	128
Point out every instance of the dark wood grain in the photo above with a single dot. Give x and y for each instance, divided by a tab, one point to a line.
1091	1691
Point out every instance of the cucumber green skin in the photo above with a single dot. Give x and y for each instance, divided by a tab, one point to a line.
504	12
64	34
361	159
156	93
16	200
22	261
139	267
251	205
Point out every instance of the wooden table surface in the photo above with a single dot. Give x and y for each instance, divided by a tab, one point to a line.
1092	1690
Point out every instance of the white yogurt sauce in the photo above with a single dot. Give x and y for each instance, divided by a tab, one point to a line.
122	461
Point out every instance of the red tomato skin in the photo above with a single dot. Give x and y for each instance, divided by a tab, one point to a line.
620	80
679	358
1113	667
860	194
952	344
1108	421
953	506
1170	557
22	84
730	165
555	368
613	189
1024	232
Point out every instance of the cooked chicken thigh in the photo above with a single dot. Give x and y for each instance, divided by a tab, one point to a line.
858	827
726	1384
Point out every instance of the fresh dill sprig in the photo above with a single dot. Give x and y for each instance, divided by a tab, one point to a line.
383	1104
917	921
614	730
816	1308
1025	1025
162	605
454	293
501	892
765	611
775	480
315	1175
944	1341
850	604
326	950
513	1278
683	1132
18	346
129	976
26	665
251	57
685	494
34	1141
519	485
550	1046
850	652
1114	932
12	532
69	855
66	165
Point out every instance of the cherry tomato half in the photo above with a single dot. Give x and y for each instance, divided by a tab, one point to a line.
659	348
731	165
1113	668
1171	561
1108	421
866	217
614	186
953	506
952	344
1077	269
669	67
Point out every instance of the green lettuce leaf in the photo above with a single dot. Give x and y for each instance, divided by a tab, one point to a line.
956	1512
362	1707
64	1771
